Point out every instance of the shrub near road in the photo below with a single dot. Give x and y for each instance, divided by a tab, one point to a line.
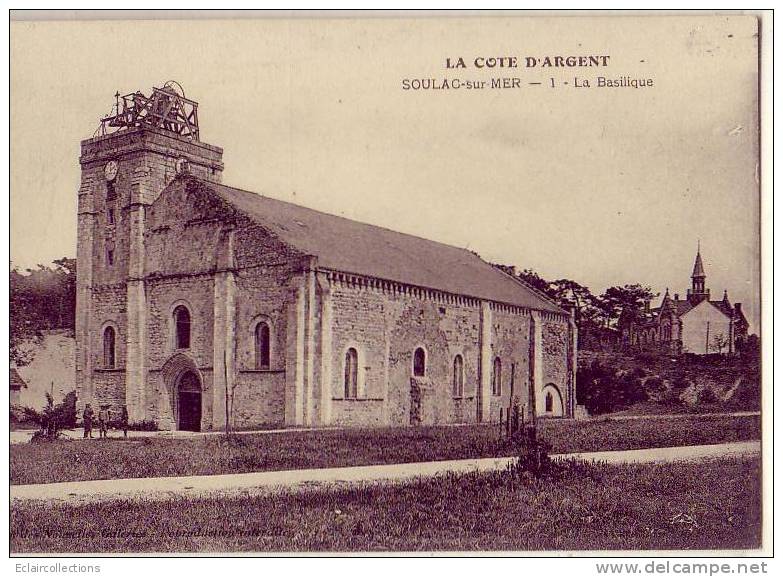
712	505
214	454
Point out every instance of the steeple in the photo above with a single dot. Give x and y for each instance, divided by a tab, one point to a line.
698	267
698	292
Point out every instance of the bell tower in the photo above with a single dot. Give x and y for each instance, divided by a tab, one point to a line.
137	150
698	292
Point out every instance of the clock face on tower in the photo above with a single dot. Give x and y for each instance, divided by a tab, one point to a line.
181	166
110	170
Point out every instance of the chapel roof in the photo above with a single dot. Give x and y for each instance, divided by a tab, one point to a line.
345	245
683	306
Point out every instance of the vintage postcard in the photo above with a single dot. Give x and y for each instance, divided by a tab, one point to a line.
368	283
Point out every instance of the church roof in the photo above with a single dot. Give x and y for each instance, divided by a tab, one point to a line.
349	246
680	307
722	306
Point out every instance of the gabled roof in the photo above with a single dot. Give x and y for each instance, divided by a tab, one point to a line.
345	245
723	307
680	307
720	305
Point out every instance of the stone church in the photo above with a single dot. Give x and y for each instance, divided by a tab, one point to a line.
694	324
198	302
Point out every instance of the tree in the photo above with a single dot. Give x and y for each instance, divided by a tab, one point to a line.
531	277
26	322
570	294
627	300
719	342
41	299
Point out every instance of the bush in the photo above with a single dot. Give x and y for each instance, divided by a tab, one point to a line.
533	454
707	396
603	389
655	385
646	358
672	397
45	436
52	418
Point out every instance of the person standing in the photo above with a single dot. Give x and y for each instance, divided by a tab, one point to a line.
87	417
103	421
124	421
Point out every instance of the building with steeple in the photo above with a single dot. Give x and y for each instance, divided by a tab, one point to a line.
694	324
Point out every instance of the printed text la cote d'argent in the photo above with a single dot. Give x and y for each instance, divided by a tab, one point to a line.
506	72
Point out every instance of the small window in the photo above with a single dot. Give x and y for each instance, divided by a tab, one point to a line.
110	215
110	256
262	346
549	401
351	373
109	339
458	379
497	377
419	362
111	193
182	327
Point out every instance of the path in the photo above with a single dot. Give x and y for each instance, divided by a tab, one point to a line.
264	482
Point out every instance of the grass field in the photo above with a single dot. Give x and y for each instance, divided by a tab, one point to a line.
711	505
215	454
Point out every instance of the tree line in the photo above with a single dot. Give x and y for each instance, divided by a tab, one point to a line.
41	299
592	312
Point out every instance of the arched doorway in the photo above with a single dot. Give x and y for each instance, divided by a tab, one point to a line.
188	402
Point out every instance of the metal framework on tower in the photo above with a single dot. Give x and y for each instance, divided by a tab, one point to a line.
166	108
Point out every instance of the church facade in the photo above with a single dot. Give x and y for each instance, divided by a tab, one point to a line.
199	303
694	324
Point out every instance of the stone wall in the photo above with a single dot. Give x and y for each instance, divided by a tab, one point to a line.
387	325
108	309
511	343
259	398
555	356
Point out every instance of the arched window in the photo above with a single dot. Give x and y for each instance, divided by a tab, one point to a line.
497	377
262	346
549	402
458	379
182	327
419	362
351	373
109	338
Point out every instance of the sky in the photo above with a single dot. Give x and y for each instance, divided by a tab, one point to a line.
605	186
